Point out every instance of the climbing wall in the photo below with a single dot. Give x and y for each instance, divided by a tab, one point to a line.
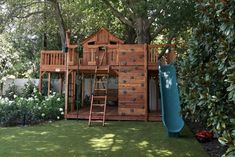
132	80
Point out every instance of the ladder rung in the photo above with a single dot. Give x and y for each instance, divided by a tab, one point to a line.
97	121
99	97
97	112
101	89
101	81
99	105
101	75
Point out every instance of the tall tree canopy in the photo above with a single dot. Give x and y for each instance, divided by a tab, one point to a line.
149	18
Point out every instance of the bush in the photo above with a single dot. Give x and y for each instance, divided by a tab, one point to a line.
8	112
30	107
207	70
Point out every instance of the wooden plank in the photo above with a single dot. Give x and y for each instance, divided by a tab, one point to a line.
40	82
60	84
146	81
131	111
49	84
66	86
82	89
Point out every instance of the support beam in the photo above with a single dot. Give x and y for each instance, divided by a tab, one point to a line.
40	82
146	81
66	86
49	84
60	83
82	89
74	89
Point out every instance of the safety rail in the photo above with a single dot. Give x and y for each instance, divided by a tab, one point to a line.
52	58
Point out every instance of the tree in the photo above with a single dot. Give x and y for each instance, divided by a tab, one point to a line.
150	18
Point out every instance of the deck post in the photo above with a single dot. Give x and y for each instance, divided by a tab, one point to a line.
60	84
82	89
74	90
146	81
49	84
66	85
40	82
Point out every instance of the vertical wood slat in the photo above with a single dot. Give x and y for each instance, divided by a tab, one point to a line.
146	81
52	58
49	84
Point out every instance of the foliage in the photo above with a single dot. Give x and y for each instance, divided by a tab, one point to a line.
8	57
30	107
207	69
228	138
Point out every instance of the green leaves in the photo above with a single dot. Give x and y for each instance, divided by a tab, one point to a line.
209	71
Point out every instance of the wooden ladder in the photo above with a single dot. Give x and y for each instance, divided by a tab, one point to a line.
99	96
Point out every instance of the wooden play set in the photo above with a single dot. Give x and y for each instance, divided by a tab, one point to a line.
106	60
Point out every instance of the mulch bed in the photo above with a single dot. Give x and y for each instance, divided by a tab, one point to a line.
213	147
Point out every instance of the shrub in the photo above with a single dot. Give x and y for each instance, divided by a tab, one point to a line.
30	107
8	112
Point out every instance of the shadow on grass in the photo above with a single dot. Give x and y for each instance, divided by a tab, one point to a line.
76	139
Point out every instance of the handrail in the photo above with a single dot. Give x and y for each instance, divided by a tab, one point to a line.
52	58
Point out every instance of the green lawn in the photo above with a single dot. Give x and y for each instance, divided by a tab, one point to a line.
75	139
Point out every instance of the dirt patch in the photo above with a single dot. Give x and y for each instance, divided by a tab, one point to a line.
213	147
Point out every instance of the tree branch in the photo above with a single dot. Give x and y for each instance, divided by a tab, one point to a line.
153	17
29	14
157	31
118	14
171	37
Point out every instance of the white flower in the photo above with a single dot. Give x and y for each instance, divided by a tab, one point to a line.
62	113
10	102
60	109
43	114
30	99
58	117
14	96
58	99
34	90
39	108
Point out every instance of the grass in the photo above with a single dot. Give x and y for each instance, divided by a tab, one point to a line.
75	139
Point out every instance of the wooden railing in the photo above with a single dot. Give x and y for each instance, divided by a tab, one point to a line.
153	51
52	58
100	54
152	54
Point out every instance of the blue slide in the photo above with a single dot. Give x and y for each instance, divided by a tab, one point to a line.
170	103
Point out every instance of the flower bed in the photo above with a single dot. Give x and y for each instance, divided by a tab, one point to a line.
30	107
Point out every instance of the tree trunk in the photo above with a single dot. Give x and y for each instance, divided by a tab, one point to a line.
130	34
142	31
60	21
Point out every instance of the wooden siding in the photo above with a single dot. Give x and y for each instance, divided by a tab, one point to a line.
132	85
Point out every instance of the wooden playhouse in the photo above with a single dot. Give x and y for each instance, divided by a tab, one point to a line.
125	75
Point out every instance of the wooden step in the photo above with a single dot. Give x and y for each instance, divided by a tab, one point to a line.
99	105
101	82
103	75
103	89
99	97
97	121
99	113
